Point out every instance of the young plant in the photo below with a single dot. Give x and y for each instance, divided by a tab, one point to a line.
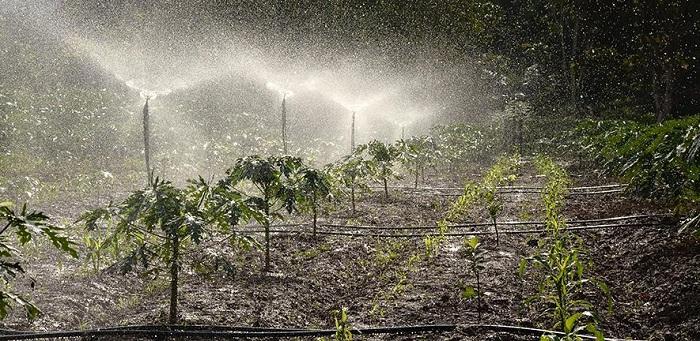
415	155
275	190
559	261
25	225
313	185
157	223
476	257
383	156
343	329
494	206
353	172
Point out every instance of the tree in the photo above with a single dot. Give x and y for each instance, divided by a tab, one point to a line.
273	179
383	156
415	155
352	172
25	225
313	184
158	222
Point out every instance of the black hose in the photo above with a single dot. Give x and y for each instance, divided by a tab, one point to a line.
249	332
461	234
176	331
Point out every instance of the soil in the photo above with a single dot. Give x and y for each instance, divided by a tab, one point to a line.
653	273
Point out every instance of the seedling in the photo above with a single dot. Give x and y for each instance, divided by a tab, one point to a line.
476	257
559	260
343	329
158	222
383	155
313	185
415	155
26	225
276	191
352	173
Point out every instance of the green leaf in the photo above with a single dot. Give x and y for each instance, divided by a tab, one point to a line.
571	322
469	292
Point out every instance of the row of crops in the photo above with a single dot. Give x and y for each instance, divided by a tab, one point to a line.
153	228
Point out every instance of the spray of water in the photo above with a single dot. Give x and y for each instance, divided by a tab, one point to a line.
213	86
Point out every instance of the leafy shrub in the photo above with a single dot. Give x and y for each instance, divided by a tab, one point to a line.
25	224
275	189
154	225
383	157
416	154
352	173
658	160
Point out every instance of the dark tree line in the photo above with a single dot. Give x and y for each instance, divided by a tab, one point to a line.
606	58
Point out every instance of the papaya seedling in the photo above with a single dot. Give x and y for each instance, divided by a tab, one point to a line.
157	223
383	156
414	154
313	184
353	172
273	178
26	225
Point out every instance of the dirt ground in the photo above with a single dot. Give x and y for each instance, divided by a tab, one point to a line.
653	274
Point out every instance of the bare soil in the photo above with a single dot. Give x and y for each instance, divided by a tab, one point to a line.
652	271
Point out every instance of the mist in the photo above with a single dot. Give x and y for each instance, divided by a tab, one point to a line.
216	81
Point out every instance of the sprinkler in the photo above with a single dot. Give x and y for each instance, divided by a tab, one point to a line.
284	123
146	142
352	134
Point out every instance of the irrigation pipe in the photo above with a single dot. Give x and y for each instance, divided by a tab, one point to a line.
462	234
182	332
508	223
581	188
244	332
610	191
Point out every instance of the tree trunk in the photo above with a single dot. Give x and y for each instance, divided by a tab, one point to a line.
478	293
415	185
146	143
315	212
267	247
573	69
663	89
495	226
386	187
174	269
352	197
284	124
386	190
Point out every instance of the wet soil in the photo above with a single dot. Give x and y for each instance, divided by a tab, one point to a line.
652	271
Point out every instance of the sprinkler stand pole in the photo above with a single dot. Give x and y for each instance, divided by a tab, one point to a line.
352	134
284	123
147	143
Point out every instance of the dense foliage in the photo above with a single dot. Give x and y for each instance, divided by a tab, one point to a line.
658	160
